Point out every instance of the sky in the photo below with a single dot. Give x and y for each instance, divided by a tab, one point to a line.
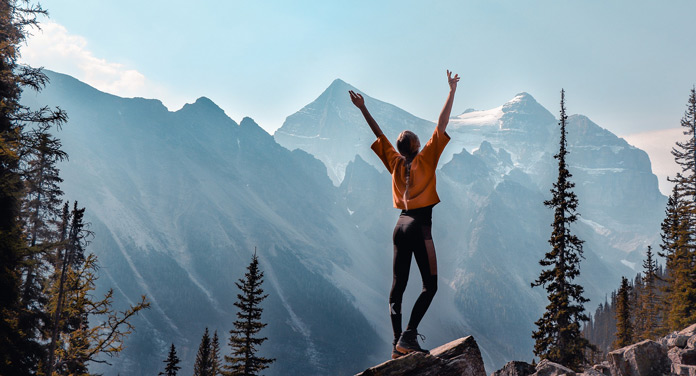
627	65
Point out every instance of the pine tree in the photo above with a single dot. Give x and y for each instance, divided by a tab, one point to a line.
20	349
204	358
215	354
624	328
75	339
679	229
172	361
558	337
648	311
40	211
243	338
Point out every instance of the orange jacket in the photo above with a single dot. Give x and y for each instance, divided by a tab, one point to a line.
422	191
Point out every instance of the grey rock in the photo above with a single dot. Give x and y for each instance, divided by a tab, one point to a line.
678	340
689	330
515	368
593	372
691	343
603	368
683	370
547	368
457	358
682	356
646	358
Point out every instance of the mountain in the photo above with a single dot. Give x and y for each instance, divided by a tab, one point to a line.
332	118
491	228
179	201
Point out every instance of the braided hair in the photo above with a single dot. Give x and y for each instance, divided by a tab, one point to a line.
407	143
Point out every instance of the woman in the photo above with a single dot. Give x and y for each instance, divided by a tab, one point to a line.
414	192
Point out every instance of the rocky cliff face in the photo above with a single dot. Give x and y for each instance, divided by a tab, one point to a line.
673	355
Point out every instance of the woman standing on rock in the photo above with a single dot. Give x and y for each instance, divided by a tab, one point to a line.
414	192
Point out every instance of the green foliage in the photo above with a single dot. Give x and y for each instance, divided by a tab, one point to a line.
679	230
21	321
215	355
204	358
648	319
558	337
172	363
624	328
243	338
85	327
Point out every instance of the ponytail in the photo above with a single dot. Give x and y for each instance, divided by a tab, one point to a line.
407	166
408	144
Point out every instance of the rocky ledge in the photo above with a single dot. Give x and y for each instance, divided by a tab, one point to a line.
461	357
673	355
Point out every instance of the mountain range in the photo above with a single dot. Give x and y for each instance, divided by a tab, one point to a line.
179	201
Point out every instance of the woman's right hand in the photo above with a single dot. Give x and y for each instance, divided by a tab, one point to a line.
357	99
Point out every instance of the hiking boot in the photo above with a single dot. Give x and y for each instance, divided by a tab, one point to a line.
396	353
409	342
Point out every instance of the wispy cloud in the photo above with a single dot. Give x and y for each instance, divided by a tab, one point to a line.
658	144
57	49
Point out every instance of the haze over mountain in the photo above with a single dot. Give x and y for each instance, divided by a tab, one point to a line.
179	200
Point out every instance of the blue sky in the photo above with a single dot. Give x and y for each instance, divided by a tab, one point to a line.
627	65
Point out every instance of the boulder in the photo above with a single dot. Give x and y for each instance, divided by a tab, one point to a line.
548	368
682	356
689	331
683	370
515	368
691	343
677	340
461	357
592	372
646	358
603	368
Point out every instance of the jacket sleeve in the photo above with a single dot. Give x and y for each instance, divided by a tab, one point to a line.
386	152
433	148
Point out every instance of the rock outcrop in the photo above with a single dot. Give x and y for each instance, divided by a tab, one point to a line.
461	357
672	355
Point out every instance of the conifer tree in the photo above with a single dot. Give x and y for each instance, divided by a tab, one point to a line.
624	328
204	357
679	229
244	339
74	340
558	336
171	363
20	349
215	353
648	319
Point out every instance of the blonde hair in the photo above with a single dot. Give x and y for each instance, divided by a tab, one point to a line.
407	144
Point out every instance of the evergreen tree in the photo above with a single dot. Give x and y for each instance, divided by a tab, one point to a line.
172	361
558	337
20	348
74	341
204	358
648	314
624	328
679	229
243	338
215	354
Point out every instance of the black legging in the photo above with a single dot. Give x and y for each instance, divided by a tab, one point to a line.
412	236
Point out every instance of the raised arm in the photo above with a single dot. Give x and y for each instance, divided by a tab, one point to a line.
447	110
359	102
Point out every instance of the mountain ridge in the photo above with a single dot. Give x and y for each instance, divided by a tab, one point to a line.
181	201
